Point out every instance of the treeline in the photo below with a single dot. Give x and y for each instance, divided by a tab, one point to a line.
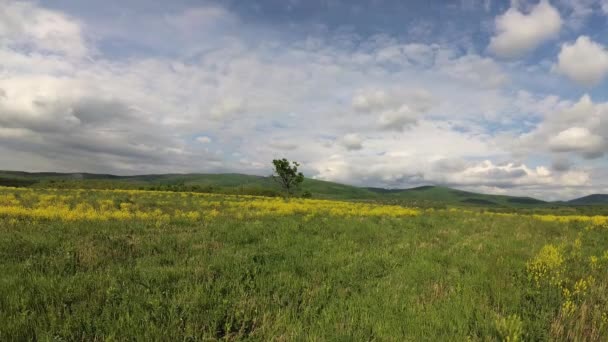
16	183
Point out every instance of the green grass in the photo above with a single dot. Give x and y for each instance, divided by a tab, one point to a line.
228	183
437	277
221	183
591	199
231	183
448	196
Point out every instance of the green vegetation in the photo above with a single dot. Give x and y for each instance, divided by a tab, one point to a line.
425	196
210	183
287	176
266	269
445	195
591	199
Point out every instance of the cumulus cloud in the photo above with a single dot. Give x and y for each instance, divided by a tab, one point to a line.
584	61
576	139
476	70
505	175
398	119
422	113
474	175
511	175
396	109
23	24
421	155
518	33
579	129
352	142
227	108
372	101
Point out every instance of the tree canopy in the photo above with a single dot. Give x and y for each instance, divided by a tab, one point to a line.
287	175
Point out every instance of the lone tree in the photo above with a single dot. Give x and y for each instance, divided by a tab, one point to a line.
287	175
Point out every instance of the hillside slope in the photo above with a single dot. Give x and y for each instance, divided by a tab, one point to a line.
226	182
595	199
453	196
258	185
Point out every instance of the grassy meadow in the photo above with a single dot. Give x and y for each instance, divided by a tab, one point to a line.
241	184
153	265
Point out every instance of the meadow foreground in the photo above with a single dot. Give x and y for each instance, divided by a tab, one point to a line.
116	265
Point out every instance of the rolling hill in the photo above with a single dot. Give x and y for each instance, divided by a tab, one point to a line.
595	199
259	185
226	182
453	196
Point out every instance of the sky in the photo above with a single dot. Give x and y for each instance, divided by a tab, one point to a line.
495	96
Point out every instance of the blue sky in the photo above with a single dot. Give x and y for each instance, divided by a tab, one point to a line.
485	95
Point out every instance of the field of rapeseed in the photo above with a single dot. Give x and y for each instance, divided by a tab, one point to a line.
125	205
125	264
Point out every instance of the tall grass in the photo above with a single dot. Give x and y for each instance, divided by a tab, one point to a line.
439	275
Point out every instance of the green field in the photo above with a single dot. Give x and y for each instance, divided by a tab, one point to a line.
140	265
229	183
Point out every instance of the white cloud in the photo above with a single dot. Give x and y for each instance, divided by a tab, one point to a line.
514	177
584	61
476	70
394	159
227	107
372	101
506	175
580	129
398	119
24	25
283	145
396	109
203	139
420	53
420	111
352	142
576	139
578	11
487	176
518	33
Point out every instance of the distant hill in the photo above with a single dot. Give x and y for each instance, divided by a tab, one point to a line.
453	196
234	183
226	182
595	199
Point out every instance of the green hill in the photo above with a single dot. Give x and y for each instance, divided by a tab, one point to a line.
227	182
595	199
234	183
453	196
